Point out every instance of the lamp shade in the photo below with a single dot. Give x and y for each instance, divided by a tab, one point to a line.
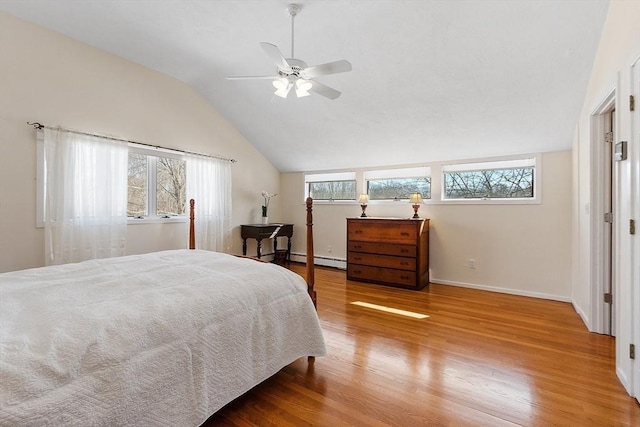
303	87
283	87
416	198
364	199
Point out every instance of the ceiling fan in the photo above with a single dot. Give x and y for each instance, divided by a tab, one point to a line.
294	73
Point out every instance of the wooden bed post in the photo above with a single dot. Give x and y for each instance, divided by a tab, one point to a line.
310	256
192	233
310	264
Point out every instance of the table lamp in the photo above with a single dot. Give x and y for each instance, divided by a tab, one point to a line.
363	200
415	200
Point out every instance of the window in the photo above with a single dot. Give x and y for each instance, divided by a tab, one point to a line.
156	185
331	186
137	185
507	179
397	184
170	186
155	181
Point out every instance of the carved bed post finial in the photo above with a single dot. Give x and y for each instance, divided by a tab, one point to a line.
192	233
310	255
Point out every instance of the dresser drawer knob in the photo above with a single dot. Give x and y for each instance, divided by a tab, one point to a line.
404	251
404	263
358	231
357	258
357	247
357	271
404	277
404	233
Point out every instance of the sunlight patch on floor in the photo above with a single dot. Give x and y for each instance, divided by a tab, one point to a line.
390	310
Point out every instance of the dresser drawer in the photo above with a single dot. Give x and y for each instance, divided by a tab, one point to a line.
382	248
401	231
362	258
379	274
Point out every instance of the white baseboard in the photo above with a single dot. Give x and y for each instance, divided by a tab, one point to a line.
268	257
624	380
503	290
583	316
341	264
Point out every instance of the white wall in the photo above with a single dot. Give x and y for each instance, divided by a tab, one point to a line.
619	48
520	248
52	79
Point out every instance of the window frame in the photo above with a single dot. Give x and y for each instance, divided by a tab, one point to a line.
397	173
331	177
152	173
436	175
133	148
520	162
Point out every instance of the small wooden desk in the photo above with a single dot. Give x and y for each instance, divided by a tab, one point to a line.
266	231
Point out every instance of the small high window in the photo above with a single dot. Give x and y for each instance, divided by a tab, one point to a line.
398	184
331	187
506	179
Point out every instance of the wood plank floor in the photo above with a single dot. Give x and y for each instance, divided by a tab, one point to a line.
479	359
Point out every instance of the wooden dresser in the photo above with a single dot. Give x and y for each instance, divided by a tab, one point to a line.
390	251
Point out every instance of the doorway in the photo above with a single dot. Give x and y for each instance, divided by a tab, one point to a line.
607	241
602	254
635	239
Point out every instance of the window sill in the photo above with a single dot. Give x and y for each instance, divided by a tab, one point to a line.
156	220
514	201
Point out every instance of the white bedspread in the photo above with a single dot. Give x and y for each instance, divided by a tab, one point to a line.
160	339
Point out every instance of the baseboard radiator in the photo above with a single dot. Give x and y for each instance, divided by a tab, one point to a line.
340	263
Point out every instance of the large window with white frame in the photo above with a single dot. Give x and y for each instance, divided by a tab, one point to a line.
398	184
156	183
331	187
500	180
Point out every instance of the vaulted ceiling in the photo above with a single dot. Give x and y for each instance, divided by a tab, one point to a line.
431	80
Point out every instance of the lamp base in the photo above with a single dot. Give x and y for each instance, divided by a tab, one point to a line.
364	207
415	211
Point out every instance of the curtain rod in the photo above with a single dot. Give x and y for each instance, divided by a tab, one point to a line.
40	126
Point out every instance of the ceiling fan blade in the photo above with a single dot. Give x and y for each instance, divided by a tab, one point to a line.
252	77
273	52
323	90
328	68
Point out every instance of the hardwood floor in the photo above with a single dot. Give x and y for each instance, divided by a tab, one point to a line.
479	359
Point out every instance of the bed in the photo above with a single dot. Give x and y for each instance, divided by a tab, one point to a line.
161	339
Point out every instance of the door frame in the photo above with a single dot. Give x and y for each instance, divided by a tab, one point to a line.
598	256
634	158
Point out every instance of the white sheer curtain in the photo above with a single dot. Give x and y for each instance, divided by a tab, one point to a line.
85	196
209	184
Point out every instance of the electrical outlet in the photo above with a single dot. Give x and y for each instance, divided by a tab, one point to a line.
471	263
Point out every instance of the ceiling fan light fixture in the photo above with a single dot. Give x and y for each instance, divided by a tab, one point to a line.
283	91
303	84
292	71
303	87
281	83
301	93
282	87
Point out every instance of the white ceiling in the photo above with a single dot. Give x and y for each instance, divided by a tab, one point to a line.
431	80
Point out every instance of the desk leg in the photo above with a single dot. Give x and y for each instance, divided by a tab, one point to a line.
244	247
259	248
288	249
